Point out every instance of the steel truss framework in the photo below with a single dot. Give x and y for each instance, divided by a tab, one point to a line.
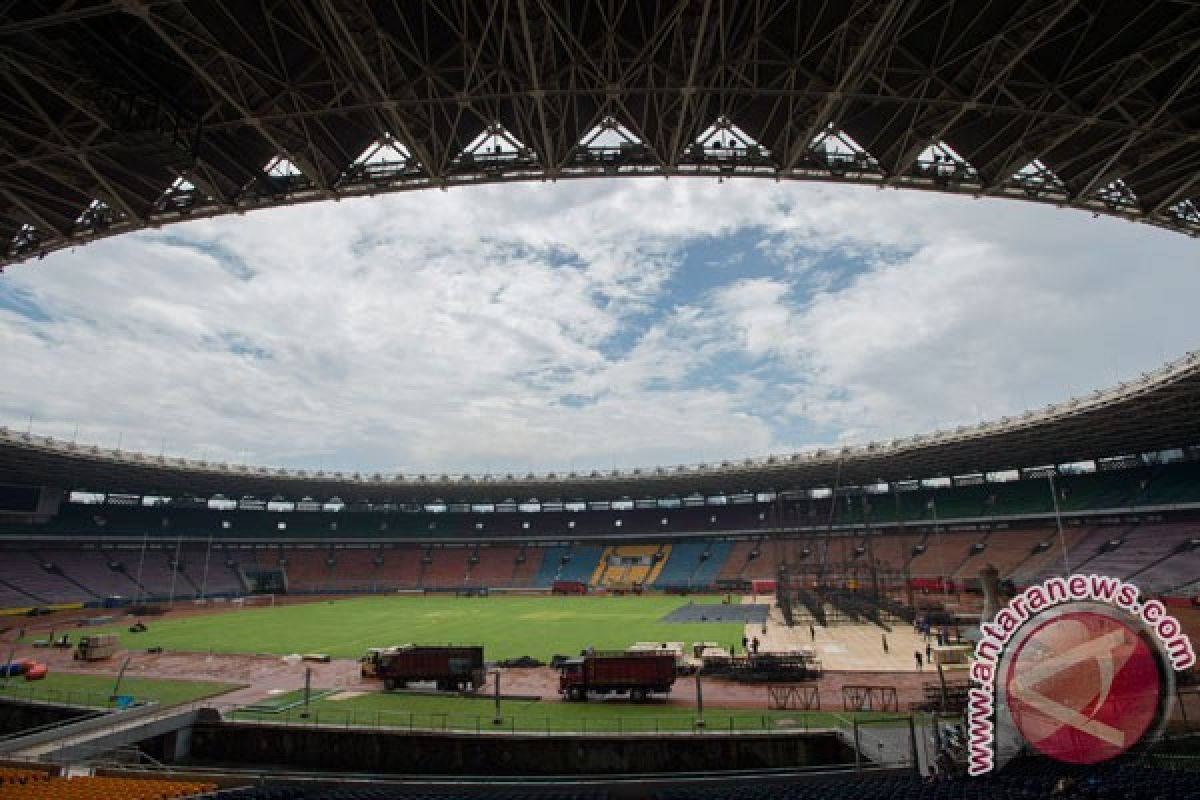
116	115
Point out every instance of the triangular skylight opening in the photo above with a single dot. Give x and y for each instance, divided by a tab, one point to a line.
941	163
92	207
1117	196
279	176
27	239
723	140
281	167
384	152
496	143
383	160
1036	178
180	196
836	142
610	145
97	215
940	152
1186	211
609	135
839	151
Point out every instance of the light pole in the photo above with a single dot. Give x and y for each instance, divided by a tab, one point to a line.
1062	539
941	551
498	719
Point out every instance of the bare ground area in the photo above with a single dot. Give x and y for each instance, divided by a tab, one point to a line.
263	674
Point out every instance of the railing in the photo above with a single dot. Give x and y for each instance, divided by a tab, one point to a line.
532	724
68	697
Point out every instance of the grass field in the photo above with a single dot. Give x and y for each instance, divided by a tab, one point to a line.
404	710
508	627
96	690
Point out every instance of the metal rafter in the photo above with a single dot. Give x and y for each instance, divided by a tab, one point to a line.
1100	92
1030	26
866	54
146	14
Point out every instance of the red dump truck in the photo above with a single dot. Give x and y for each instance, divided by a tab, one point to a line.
612	673
449	666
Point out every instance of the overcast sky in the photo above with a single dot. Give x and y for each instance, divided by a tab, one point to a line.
584	324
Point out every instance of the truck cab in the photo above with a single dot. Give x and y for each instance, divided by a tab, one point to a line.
372	661
369	663
571	679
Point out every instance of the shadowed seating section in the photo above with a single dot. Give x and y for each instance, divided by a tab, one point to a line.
581	563
492	565
401	568
26	572
1022	780
1005	549
681	565
446	569
1144	553
101	788
1015	782
383	793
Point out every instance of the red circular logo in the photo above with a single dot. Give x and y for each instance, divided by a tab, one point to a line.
1083	687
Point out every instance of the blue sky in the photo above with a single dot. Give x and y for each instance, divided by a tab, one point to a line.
584	325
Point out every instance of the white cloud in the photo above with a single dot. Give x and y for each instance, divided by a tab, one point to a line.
540	327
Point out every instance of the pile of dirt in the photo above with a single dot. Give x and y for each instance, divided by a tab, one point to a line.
524	662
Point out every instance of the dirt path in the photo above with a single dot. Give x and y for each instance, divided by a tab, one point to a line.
264	675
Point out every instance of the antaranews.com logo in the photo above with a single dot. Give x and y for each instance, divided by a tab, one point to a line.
1078	667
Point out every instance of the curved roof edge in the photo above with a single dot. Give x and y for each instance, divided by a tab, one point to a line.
1183	218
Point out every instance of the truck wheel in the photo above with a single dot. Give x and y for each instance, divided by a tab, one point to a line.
389	684
576	694
638	695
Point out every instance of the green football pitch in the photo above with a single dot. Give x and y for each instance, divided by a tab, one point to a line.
97	690
508	627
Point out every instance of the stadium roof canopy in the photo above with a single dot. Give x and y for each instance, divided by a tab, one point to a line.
1160	411
117	115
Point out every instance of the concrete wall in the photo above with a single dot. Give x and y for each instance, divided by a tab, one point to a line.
401	752
20	715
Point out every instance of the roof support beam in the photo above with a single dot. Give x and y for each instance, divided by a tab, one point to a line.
145	14
869	51
1029	33
367	77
